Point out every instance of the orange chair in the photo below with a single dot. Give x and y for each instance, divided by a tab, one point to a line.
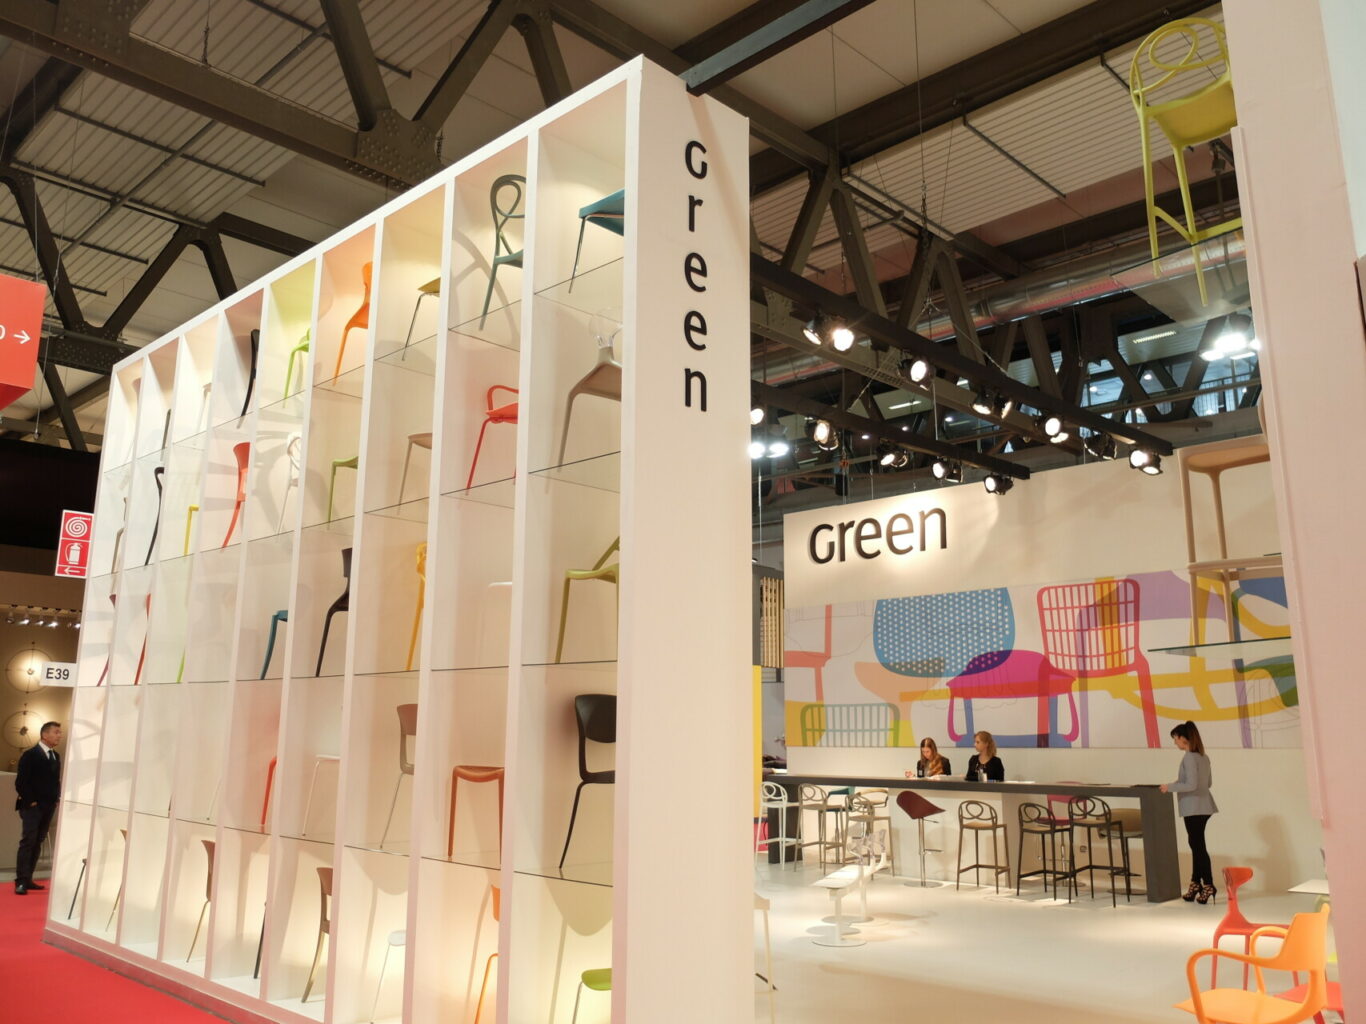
1234	923
361	318
494	414
814	660
488	964
241	451
475	773
1303	948
270	783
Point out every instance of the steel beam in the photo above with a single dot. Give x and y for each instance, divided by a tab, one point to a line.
538	32
456	79
774	36
65	413
856	255
38	98
262	236
351	40
44	246
733	29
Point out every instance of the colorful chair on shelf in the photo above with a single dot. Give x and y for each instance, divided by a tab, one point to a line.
350	463
497	901
113	600
407	729
142	653
360	318
493	414
293	448
608	212
395	940
476	773
1234	923
596	714
318	761
118	537
503	253
599	980
270	785
422	440
1303	949
421	599
208	895
1192	50
298	351
281	616
242	453
602	381
341	604
255	338
601	570
189	527
429	290
157	473
324	926
118	896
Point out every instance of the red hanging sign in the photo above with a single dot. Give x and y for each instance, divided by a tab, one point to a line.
73	550
21	323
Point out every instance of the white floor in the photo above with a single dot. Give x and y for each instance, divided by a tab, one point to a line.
936	956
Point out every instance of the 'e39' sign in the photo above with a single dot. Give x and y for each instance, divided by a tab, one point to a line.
695	276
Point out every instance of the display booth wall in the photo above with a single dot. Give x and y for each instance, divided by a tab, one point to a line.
1055	618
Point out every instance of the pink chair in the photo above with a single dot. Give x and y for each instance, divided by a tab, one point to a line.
494	414
242	452
1090	631
1013	675
815	660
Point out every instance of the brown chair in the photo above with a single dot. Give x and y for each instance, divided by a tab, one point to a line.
1092	815
917	808
407	727
324	925
1037	820
208	895
475	773
977	817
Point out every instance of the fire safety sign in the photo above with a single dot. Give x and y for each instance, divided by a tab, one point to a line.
73	550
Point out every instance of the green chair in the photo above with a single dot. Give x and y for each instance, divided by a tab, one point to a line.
600	571
352	463
608	212
432	287
298	350
503	253
598	980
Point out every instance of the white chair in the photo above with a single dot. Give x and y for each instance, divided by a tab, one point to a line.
870	807
851	876
318	761
774	798
396	939
825	805
292	452
761	904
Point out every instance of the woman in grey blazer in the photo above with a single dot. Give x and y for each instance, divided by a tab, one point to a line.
1194	802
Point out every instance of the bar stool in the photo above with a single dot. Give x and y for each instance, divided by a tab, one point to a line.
1128	827
977	817
1038	820
598	980
864	806
823	802
773	797
1092	815
917	808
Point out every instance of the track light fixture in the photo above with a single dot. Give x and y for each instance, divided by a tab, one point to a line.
894	458
1053	428
997	483
777	448
915	370
24	619
756	449
1100	446
946	470
825	436
983	403
1007	405
1147	460
821	329
756	416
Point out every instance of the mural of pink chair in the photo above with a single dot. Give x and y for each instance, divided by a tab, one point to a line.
814	660
1014	675
1090	631
241	452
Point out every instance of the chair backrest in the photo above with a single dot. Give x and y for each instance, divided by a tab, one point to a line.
325	896
1234	878
1036	814
773	793
497	902
1193	50
346	565
612	549
407	726
502	214
975	810
1088	808
1305	949
1090	628
850	725
597	718
935	636
915	805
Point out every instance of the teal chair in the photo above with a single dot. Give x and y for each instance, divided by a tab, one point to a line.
281	616
503	253
608	212
598	980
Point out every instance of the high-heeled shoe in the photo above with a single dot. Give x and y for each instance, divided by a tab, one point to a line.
1207	892
1192	892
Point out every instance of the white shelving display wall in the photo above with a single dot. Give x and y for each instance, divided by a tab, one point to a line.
300	462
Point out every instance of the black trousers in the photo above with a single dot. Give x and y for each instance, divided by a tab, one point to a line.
35	821
1195	833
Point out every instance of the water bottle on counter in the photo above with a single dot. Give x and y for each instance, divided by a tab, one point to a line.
981	774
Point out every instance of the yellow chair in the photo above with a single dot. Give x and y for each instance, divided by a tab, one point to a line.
599	980
421	597
1302	949
600	571
189	526
1192	50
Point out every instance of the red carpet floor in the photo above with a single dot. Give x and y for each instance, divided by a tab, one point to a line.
41	982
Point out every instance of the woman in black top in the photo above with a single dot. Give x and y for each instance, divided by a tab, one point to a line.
986	759
931	762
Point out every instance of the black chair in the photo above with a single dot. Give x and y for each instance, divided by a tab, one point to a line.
157	473
597	718
251	375
341	604
1093	816
1038	820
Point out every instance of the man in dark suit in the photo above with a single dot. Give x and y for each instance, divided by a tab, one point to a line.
39	785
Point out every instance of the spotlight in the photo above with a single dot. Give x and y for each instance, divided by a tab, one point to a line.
1053	428
915	370
75	625
53	624
812	331
777	448
757	449
997	483
823	433
1236	342
1147	460
983	404
1007	405
9	619
841	337
40	621
1100	446
756	416
888	458
902	460
24	621
949	472
821	328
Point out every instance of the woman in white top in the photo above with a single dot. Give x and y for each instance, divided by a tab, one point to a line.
1195	803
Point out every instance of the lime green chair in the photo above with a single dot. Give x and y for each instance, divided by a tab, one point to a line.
1194	52
300	350
352	463
601	571
598	980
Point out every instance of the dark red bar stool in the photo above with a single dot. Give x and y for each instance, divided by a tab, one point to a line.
917	808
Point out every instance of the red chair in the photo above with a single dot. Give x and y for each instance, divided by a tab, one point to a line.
815	660
1332	999
1090	631
493	414
1234	923
361	318
242	452
270	782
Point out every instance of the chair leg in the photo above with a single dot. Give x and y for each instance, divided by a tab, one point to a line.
573	814
112	910
232	523
379	985
289	371
417	627
322	647
270	645
1019	859
392	805
450	830
488	966
577	250
71	911
189	526
403	480
921	823
200	924
488	295
284	505
341	350
568	414
475	461
411	324
331	491
578	992
958	877
317	955
564	617
308	803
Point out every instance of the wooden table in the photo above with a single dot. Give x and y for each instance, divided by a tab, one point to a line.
1163	871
